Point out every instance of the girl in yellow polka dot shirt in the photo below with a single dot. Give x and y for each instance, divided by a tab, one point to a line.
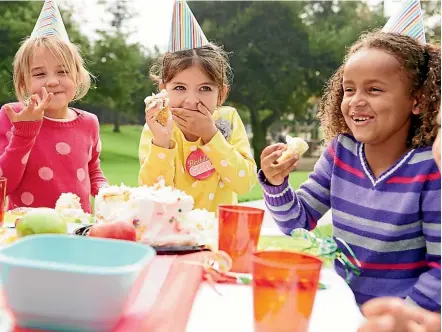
203	149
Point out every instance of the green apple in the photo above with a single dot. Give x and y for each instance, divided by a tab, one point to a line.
41	221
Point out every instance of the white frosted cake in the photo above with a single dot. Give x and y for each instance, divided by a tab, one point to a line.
69	207
203	224
156	211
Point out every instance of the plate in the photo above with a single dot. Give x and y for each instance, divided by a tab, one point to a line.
163	250
82	230
179	250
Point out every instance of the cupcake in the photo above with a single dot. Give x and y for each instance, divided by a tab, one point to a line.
162	100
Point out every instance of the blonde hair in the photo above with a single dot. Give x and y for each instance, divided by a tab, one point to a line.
66	52
212	58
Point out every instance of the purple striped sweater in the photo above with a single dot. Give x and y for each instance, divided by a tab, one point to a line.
393	223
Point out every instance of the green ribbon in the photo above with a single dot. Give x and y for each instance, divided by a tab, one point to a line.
327	247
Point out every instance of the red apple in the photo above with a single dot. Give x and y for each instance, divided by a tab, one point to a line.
119	230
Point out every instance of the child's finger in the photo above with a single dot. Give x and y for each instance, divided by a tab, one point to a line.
181	112
203	109
10	113
34	99
269	160
382	305
424	318
46	102
180	118
44	93
169	125
153	109
413	326
285	167
179	121
270	149
431	320
31	104
289	170
379	324
150	118
151	114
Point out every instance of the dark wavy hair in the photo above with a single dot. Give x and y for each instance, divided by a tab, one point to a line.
212	58
421	63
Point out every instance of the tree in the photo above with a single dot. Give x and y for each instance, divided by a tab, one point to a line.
283	52
17	20
333	26
432	20
121	12
119	78
270	53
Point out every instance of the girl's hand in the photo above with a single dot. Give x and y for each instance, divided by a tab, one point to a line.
199	123
34	111
161	135
276	173
386	314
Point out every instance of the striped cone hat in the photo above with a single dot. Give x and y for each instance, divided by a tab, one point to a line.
408	21
185	33
50	23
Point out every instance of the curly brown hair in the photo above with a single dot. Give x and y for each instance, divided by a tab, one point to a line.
421	63
212	58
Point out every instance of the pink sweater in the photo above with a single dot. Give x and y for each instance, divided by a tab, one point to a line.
43	159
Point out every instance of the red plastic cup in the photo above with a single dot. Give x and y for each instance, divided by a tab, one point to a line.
3	182
284	290
239	230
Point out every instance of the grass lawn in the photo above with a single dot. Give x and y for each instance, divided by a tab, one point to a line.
119	156
119	160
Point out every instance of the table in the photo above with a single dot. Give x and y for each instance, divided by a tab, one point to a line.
335	308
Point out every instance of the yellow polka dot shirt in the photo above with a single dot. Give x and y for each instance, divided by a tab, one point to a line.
228	151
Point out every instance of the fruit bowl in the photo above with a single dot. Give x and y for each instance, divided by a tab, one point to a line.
75	283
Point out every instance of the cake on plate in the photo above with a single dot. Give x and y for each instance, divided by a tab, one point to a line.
163	215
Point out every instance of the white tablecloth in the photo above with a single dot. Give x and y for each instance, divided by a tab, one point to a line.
335	308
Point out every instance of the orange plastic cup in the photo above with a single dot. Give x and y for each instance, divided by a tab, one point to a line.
284	290
3	182
239	230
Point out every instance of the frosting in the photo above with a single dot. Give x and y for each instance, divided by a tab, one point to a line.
161	99
69	207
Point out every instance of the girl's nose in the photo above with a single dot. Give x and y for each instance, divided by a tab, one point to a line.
191	101
52	81
357	101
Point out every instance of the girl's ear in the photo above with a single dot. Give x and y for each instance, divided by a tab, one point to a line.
162	86
415	109
223	94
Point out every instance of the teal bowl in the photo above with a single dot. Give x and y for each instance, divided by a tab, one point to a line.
71	283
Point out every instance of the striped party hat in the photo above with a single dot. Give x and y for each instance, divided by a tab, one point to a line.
185	33
408	21
50	23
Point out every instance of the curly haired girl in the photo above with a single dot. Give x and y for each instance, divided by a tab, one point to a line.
377	174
